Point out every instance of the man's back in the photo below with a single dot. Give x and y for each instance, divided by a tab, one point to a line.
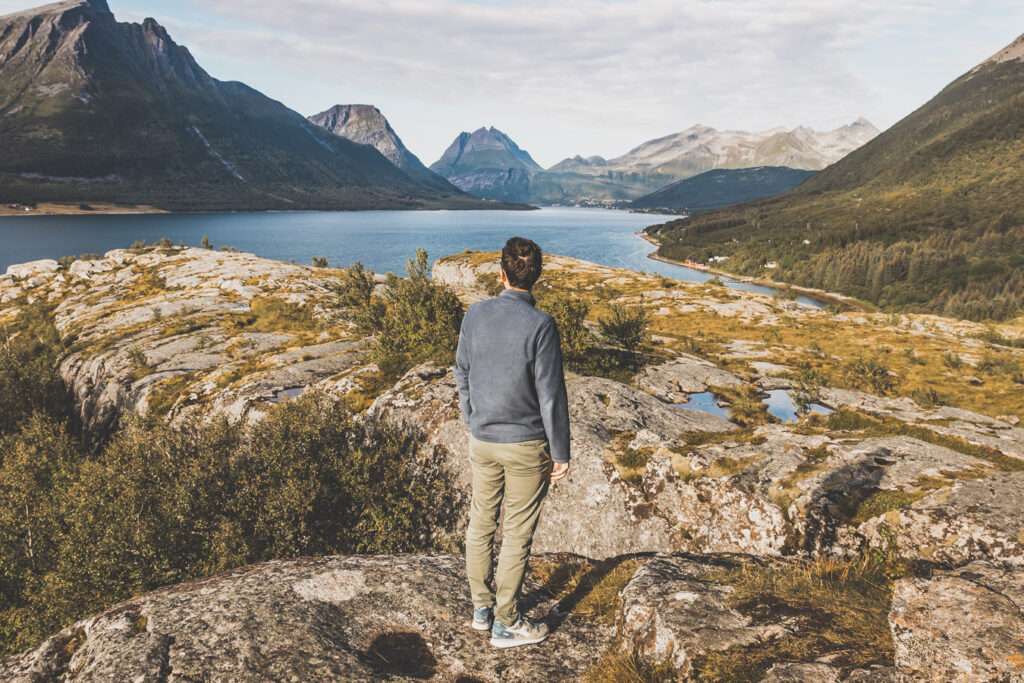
509	372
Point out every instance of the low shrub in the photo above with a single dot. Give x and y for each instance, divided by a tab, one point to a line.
625	326
570	316
162	504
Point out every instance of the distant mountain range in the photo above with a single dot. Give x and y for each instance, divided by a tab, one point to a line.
507	172
722	187
929	215
93	110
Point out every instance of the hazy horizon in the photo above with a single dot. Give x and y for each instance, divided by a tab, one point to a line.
567	77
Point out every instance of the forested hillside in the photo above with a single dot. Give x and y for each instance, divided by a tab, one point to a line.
928	216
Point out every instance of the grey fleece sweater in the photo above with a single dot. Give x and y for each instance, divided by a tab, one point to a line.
508	368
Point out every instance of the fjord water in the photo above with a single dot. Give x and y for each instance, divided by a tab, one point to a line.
381	240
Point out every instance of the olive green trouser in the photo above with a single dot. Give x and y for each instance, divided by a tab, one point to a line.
520	473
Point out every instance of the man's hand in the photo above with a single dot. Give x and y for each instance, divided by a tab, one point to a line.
559	471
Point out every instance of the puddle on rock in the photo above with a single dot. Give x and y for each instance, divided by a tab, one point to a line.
287	394
781	404
706	402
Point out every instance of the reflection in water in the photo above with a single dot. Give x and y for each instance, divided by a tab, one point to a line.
781	404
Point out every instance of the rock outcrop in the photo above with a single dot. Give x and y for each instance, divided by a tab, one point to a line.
384	618
672	612
190	329
964	625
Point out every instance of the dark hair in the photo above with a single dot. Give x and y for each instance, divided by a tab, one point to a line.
520	259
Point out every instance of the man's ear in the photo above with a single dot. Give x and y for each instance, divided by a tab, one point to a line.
504	278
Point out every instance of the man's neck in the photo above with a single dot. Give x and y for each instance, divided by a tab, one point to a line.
516	289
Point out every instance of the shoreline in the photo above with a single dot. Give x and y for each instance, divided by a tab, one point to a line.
811	293
49	209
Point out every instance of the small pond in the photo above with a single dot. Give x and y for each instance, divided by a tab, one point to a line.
706	402
287	394
779	401
781	404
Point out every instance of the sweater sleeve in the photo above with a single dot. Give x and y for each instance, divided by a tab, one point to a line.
551	394
461	371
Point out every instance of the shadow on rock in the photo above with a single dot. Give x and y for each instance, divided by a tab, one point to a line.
404	654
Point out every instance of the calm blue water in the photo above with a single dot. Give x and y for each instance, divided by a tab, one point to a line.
382	240
781	404
706	402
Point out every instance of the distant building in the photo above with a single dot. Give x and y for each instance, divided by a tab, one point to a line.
772	264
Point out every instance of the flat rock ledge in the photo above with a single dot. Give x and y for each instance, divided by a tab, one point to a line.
384	618
407	618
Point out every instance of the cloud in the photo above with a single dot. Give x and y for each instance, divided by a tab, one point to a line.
562	76
652	65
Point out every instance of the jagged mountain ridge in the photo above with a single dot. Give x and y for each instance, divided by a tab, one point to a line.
365	124
657	163
96	110
929	215
702	148
722	187
489	164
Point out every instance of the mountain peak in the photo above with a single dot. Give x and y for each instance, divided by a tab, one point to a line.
1014	50
365	124
488	163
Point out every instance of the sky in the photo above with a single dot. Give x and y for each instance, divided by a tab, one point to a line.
567	77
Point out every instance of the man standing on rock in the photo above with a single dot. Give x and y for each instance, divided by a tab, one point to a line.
509	372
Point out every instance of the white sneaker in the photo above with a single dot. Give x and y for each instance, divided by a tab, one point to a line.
523	632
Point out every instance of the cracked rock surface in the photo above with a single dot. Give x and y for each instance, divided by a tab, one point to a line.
384	618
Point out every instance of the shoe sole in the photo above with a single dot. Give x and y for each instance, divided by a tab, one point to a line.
481	626
516	642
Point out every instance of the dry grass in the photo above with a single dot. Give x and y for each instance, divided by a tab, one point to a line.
841	610
622	666
589	590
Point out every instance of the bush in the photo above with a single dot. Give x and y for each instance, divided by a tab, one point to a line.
29	383
626	326
320	262
807	385
570	316
355	286
421	318
490	283
870	374
163	504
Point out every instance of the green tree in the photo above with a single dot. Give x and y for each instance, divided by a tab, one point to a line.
355	286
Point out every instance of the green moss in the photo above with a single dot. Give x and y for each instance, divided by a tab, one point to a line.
878	503
633	458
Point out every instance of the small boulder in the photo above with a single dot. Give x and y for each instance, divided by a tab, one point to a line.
33	268
671	613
